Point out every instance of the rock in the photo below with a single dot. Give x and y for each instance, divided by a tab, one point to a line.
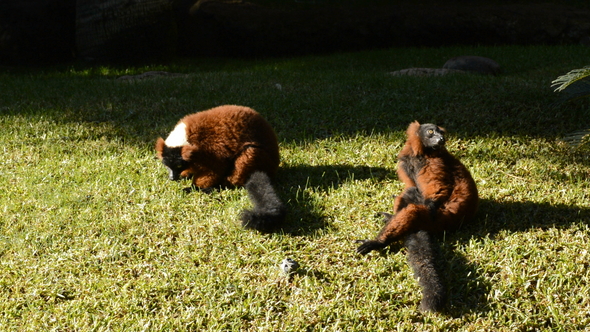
289	266
476	64
426	72
148	74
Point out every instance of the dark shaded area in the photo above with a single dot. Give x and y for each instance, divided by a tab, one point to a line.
45	31
523	216
244	29
37	31
467	297
125	30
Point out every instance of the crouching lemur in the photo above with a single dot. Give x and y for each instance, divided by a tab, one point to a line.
228	146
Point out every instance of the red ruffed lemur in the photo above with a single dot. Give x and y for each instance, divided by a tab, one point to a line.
439	195
228	146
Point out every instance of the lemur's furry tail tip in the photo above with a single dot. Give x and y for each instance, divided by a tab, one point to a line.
422	258
268	212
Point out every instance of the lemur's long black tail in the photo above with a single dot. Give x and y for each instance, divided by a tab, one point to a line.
268	212
422	255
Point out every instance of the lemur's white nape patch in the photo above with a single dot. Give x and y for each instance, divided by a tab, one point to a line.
177	137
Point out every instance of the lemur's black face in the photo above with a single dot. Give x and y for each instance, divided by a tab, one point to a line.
172	159
432	136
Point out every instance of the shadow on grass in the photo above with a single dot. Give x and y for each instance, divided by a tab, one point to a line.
522	216
305	215
467	284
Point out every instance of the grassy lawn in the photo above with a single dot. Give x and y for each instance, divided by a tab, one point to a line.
93	237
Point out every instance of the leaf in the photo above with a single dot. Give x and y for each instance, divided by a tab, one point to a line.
568	79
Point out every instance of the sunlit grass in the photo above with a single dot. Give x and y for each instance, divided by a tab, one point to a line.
93	236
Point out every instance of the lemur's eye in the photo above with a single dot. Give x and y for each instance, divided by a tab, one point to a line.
430	131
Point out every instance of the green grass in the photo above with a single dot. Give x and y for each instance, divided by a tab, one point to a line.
94	238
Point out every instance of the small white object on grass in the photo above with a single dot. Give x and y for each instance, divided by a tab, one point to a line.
289	266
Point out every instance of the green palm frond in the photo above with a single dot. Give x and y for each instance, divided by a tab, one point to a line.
574	86
568	79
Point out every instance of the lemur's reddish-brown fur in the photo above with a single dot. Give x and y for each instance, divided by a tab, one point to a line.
439	195
443	179
226	145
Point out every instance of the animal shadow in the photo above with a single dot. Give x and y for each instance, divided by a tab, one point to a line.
305	212
467	285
